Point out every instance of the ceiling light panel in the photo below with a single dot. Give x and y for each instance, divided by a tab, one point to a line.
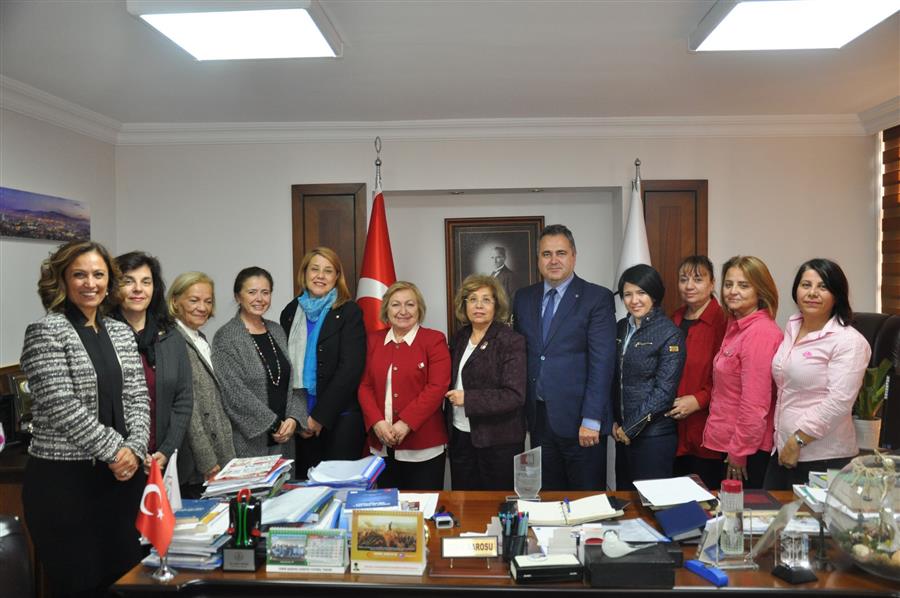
789	24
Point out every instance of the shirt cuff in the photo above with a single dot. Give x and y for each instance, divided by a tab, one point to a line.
590	424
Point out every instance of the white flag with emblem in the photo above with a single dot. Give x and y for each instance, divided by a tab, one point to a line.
170	481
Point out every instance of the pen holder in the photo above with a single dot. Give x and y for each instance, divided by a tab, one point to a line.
514	546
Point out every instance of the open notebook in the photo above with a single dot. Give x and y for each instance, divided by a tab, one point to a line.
589	508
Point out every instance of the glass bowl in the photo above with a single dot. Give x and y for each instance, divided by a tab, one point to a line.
862	510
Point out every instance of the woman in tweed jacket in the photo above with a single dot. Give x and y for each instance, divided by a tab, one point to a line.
208	445
249	355
91	424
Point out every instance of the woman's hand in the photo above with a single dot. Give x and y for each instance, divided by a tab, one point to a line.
619	434
683	407
457	397
314	427
789	453
212	473
733	471
160	458
285	430
385	433
124	464
401	429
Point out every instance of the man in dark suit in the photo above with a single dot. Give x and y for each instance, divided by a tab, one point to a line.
570	331
502	272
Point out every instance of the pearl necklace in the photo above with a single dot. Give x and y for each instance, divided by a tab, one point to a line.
274	379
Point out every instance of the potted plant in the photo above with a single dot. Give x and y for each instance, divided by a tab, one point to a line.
867	409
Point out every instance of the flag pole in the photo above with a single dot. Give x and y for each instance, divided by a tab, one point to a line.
165	573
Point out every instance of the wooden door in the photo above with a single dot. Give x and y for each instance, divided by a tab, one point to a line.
675	213
334	216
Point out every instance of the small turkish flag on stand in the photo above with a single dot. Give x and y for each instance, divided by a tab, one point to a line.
377	272
155	519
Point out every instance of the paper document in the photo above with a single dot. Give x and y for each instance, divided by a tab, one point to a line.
672	491
419	501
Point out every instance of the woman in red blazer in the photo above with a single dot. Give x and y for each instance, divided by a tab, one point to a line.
703	323
402	391
486	415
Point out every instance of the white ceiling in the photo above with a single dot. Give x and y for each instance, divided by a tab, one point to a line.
406	60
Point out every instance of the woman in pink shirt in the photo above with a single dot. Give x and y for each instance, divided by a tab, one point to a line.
742	399
818	370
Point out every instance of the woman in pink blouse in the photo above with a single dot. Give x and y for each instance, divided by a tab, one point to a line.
742	399
818	370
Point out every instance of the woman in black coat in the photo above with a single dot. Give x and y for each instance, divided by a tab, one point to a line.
486	417
327	349
142	305
650	351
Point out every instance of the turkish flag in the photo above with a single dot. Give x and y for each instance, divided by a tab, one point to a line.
155	519
378	266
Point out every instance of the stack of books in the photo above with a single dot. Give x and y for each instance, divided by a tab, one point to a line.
201	528
296	505
259	474
360	474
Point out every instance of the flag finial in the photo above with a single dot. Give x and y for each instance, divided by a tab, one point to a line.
378	162
637	173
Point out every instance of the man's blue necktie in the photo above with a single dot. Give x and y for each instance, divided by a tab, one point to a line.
548	313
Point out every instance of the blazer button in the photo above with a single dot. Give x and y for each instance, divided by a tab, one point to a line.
396	395
206	415
213	436
321	349
395	368
542	358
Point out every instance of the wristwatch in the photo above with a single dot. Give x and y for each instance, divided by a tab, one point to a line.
799	440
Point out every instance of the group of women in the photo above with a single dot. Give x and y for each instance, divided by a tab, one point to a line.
122	375
714	385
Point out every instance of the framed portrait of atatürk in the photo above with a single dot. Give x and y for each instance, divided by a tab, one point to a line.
504	248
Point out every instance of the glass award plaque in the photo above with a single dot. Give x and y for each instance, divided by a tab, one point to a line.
527	474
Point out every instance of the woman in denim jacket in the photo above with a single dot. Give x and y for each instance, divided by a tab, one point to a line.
650	357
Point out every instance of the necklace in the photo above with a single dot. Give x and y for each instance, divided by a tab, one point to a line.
273	379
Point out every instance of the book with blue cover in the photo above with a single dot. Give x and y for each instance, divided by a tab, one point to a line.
194	510
382	499
682	522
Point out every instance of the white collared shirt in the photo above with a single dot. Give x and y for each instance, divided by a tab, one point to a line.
199	342
460	421
409	456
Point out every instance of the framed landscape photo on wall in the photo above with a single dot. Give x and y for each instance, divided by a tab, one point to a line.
505	248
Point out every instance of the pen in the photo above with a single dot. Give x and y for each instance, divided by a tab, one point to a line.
568	506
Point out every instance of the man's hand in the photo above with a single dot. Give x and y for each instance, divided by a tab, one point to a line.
588	437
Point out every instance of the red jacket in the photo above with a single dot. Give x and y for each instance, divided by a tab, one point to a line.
703	341
419	381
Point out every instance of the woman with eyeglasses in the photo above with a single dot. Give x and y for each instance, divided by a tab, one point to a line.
485	416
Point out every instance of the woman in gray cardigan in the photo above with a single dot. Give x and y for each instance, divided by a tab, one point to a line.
208	446
142	305
249	355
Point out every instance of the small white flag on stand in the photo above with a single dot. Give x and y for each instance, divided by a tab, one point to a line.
170	481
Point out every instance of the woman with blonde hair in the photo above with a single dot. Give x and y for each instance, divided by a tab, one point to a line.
327	348
402	392
208	445
740	422
486	414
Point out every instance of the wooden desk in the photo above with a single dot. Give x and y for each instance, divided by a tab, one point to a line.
474	509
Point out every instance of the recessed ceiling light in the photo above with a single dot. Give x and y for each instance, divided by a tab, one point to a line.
787	24
457	192
238	30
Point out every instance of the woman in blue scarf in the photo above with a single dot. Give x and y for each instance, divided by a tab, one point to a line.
327	349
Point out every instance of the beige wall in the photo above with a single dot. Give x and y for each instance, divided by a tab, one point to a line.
221	207
43	158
